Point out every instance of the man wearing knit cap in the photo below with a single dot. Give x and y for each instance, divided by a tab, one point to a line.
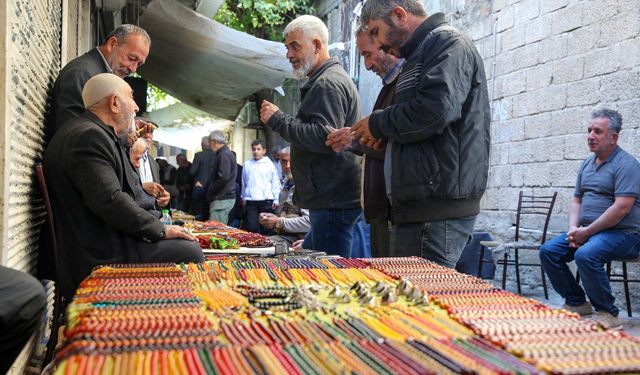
97	219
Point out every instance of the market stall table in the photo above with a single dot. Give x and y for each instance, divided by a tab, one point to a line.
304	315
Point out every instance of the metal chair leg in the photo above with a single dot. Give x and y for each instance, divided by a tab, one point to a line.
481	261
544	283
517	264
625	282
504	272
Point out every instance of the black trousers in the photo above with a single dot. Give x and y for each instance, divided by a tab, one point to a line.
379	230
174	250
22	304
252	210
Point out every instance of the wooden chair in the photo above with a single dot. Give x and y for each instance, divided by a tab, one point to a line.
529	206
58	304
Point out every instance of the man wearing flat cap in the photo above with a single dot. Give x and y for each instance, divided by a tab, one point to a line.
97	219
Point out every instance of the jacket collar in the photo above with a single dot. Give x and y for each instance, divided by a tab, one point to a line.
221	149
318	72
420	33
100	57
110	130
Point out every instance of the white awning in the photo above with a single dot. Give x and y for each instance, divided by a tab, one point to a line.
183	126
206	64
177	115
188	138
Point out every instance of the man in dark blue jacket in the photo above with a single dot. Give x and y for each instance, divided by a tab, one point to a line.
327	183
438	130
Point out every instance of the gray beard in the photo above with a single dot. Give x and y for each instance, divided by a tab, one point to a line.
304	70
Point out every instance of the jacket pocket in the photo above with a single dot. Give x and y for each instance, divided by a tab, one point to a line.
417	172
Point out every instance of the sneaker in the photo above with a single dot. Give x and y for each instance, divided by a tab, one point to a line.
583	310
608	321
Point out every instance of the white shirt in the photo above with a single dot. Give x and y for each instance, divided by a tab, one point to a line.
145	169
260	180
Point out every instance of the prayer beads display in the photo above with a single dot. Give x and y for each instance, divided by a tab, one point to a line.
323	316
216	235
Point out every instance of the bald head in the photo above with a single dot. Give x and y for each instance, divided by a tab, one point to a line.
102	86
111	99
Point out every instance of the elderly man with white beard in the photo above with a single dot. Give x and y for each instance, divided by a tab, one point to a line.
91	184
327	183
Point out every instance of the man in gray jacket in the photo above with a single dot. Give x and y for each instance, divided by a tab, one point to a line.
437	156
327	183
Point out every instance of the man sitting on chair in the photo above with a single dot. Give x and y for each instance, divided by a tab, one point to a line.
604	223
290	222
91	184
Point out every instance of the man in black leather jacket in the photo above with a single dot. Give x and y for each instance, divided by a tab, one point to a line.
438	130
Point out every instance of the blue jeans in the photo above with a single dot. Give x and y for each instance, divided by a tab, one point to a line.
439	241
331	231
590	258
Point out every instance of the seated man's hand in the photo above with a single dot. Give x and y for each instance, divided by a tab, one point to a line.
297	245
578	236
268	221
163	200
176	231
154	189
143	127
339	139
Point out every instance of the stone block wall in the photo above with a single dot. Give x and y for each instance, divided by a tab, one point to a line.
549	64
